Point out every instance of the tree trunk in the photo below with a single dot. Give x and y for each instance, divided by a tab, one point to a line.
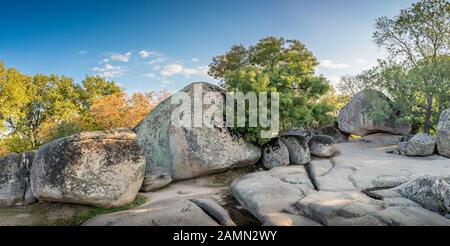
428	112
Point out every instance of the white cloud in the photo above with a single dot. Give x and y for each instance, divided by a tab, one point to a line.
82	52
195	59
172	69
144	53
106	60
175	68
151	76
109	71
157	68
361	61
333	65
157	60
121	57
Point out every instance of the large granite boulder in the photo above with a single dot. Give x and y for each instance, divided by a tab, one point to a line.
322	146
103	169
443	134
177	152
15	179
422	144
357	117
299	152
275	154
430	192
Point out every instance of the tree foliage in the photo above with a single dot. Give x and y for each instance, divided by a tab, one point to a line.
276	65
37	109
418	42
117	110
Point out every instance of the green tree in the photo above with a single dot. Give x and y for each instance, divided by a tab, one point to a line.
91	89
418	40
38	109
48	97
276	65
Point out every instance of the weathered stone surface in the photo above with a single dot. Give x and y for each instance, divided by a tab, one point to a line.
322	146
443	134
298	149
334	208
411	216
286	219
335	133
382	138
401	148
174	152
363	166
102	169
430	192
356	117
178	212
352	189
266	194
15	179
421	144
214	210
275	154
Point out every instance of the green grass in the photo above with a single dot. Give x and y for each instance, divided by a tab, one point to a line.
84	213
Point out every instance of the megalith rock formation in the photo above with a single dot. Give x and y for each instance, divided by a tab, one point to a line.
174	151
103	169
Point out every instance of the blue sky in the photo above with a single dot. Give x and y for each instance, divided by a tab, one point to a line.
154	45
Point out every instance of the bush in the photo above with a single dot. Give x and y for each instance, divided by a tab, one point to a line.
276	65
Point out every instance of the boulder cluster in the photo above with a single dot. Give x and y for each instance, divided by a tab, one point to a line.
423	144
296	147
108	168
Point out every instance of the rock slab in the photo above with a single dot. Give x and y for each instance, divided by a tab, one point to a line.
180	212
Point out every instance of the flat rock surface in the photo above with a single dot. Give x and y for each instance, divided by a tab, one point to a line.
202	201
360	186
340	190
176	212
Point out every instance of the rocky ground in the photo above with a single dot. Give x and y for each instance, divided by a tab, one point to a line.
363	185
208	176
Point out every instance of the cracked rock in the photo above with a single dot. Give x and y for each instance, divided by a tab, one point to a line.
298	149
179	212
272	192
